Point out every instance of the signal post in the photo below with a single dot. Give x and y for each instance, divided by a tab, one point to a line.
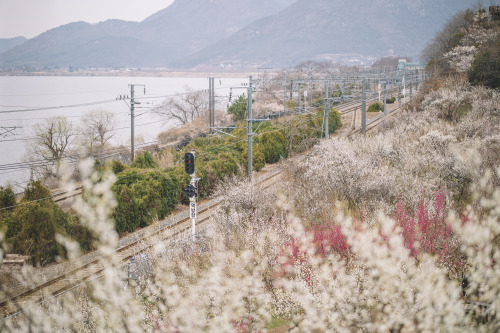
191	189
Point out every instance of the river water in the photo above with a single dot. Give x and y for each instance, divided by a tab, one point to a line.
25	101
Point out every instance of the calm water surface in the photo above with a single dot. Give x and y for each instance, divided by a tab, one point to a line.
27	92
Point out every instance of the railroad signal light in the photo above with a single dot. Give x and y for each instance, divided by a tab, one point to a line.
189	190
189	163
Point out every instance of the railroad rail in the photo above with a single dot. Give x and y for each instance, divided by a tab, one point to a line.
174	226
89	266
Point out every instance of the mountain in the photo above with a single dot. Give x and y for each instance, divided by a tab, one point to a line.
184	27
311	29
8	43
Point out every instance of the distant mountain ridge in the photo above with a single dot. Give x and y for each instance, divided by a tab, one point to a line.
8	43
193	33
175	32
310	28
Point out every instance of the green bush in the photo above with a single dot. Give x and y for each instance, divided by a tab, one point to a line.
35	191
225	165
334	120
259	160
143	197
291	104
32	226
7	199
238	108
273	146
390	100
486	69
375	107
144	161
117	167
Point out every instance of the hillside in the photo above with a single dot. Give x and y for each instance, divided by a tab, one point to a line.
275	33
8	43
184	27
311	29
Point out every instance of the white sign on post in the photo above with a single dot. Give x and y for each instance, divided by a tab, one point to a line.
192	210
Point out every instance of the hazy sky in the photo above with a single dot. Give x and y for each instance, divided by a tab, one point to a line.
30	18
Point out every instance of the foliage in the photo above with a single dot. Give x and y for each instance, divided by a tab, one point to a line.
390	100
334	120
467	46
259	159
33	224
35	191
375	107
143	198
238	109
486	69
144	161
7	199
273	146
117	166
427	231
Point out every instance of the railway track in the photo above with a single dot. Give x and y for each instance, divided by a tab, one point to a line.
175	227
61	196
89	266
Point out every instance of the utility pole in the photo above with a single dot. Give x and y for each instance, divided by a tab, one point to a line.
132	133
411	88
284	93
210	103
250	132
213	103
399	94
363	107
132	116
300	100
327	134
385	98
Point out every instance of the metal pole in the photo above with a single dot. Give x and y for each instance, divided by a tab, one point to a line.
210	103
399	94
284	92
327	134
250	132
300	99
385	99
363	107
213	102
411	88
311	88
343	90
374	89
210	88
132	134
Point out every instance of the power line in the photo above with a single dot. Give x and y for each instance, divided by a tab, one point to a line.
60	106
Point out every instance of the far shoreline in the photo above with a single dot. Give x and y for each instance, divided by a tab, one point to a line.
133	73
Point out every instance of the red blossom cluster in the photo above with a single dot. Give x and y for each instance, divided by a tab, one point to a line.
426	231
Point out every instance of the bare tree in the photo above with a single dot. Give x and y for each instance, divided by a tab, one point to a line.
449	36
98	127
185	107
51	141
